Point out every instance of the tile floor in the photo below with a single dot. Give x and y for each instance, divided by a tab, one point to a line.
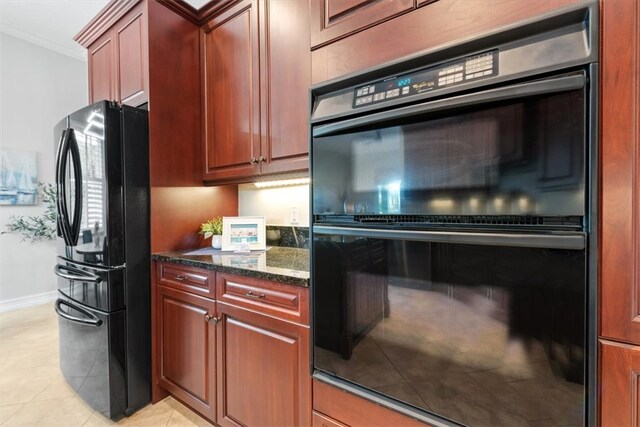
34	393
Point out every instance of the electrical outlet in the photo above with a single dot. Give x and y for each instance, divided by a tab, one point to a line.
293	215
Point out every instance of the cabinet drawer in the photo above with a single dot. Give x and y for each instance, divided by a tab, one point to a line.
188	279
285	301
320	420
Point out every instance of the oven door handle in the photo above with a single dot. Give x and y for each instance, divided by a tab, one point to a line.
522	90
573	241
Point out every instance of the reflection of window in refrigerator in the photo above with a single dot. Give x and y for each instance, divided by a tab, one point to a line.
92	162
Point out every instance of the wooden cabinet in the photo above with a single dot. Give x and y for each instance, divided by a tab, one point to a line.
230	45
334	407
102	68
620	200
620	385
620	214
242	359
263	370
256	74
186	348
429	26
118	61
335	19
143	51
131	57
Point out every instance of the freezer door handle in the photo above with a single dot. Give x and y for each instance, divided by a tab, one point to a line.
78	274
90	320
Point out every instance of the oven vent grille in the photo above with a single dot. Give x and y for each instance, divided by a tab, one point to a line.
474	220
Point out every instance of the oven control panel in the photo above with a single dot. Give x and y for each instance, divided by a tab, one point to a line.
470	68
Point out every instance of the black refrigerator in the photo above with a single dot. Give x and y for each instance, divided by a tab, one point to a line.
103	264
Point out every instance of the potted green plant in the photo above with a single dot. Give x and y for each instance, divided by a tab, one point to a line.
213	229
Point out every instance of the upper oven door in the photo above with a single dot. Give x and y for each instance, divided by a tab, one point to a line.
516	150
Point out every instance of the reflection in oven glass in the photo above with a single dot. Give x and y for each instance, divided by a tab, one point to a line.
493	339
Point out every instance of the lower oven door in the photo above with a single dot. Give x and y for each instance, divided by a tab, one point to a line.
481	329
92	355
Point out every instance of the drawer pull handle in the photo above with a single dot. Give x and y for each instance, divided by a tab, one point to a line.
252	295
210	318
181	277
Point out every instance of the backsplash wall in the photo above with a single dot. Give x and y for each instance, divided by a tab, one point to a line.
274	203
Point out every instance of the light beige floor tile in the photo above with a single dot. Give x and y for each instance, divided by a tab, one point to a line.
69	412
58	389
183	416
21	390
7	411
98	420
149	416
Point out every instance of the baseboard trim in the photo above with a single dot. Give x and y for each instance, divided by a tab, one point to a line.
28	301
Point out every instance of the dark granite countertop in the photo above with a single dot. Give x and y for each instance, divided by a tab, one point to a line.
286	265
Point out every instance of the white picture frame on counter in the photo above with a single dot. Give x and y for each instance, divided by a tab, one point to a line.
244	233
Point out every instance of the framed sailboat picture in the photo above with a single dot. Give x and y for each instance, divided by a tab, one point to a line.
18	177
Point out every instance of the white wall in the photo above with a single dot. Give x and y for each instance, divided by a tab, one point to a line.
38	87
274	203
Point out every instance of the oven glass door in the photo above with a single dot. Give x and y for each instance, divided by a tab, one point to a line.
481	334
518	150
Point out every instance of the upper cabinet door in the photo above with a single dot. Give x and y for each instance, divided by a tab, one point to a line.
334	19
231	93
102	69
285	85
131	57
620	168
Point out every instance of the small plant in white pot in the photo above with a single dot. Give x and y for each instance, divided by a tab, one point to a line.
213	229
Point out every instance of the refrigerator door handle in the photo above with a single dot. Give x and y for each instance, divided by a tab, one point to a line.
57	175
91	320
61	191
77	172
79	275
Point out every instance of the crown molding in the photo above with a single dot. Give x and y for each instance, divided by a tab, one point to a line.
108	16
79	54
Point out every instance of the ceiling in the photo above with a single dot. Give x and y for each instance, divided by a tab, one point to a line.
197	4
49	23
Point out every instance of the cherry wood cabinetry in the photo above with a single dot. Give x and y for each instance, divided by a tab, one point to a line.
238	352
256	74
620	388
434	24
335	19
118	61
263	370
620	200
101	60
231	63
334	408
186	348
620	214
140	50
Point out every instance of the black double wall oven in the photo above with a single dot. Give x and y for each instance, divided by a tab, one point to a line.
453	228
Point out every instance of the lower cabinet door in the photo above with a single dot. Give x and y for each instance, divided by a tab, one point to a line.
620	384
186	348
263	370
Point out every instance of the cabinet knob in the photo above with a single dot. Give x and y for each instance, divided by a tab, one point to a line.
181	277
253	161
210	318
262	159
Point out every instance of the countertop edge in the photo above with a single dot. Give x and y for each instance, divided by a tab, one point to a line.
271	276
